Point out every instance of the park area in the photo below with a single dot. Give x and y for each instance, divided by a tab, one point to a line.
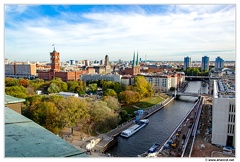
144	103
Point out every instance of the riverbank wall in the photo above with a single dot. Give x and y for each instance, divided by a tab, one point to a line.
110	139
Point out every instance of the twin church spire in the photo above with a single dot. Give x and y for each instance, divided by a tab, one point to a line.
135	60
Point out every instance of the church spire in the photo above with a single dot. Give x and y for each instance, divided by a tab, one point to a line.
137	62
54	47
134	62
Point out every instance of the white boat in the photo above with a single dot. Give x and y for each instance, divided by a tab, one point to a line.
133	129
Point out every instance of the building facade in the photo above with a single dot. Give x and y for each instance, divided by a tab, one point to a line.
205	63
223	113
187	63
161	83
20	70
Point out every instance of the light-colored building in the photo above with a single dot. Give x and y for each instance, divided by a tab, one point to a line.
96	77
174	81
161	83
20	70
223	113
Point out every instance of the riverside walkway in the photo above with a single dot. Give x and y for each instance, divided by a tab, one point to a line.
108	139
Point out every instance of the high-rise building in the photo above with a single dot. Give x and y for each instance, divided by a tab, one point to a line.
187	63
219	63
205	63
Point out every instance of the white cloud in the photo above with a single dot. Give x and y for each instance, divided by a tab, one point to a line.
118	34
16	8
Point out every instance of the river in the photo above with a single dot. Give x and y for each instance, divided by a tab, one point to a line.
161	125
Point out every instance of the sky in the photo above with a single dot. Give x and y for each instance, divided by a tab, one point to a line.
157	32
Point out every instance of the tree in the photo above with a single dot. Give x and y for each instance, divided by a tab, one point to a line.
124	116
30	105
63	86
107	85
110	92
92	87
112	102
53	98
129	97
44	113
10	82
142	86
23	82
103	118
16	91
60	84
72	85
36	83
53	88
192	71
71	109
118	87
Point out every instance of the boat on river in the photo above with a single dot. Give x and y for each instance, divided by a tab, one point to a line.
133	129
153	148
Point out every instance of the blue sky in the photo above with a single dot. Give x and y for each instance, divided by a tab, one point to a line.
159	32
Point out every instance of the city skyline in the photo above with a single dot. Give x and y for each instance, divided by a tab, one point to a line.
157	32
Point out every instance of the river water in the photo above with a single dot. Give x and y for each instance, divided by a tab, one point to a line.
160	127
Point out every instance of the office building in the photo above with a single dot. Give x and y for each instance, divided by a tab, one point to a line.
223	113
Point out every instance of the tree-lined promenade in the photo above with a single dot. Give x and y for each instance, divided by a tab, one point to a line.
90	115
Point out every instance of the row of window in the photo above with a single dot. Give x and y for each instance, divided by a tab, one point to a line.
231	128
231	118
231	108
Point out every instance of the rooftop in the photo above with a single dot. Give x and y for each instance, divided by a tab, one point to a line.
225	88
11	99
25	138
